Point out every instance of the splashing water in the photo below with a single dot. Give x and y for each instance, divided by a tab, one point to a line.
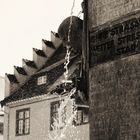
59	131
68	47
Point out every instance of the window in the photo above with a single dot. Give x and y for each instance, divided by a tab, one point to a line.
81	116
58	121
41	80
23	121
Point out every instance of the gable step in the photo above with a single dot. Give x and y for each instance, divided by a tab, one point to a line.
20	70
11	84
39	52
12	78
20	74
55	39
29	63
29	66
48	47
39	57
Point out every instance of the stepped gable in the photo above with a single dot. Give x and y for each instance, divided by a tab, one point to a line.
48	43
31	89
12	78
20	70
39	52
30	63
57	56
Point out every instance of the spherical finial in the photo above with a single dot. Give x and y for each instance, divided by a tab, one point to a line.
75	33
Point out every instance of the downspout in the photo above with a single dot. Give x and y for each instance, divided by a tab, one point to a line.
85	50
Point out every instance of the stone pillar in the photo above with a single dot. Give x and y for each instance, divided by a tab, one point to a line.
114	74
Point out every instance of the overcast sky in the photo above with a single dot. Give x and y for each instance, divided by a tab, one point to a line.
24	23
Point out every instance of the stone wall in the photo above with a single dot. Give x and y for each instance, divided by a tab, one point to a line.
114	85
115	100
102	11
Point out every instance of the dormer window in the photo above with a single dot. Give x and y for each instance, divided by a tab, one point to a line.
41	80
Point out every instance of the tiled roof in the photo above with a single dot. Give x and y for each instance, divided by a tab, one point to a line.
39	52
30	63
20	70
48	43
31	89
57	56
12	78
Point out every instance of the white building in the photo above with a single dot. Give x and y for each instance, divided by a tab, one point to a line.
34	94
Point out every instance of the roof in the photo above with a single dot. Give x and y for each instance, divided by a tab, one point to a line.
12	78
20	70
30	63
59	54
31	89
39	52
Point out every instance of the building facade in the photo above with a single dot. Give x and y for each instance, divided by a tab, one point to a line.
114	69
35	94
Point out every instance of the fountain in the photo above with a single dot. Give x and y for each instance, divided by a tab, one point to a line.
59	131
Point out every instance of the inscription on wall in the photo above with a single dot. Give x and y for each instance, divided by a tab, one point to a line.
116	41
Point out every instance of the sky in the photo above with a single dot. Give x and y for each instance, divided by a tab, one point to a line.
24	23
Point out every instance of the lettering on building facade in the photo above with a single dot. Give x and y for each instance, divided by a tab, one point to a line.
115	41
